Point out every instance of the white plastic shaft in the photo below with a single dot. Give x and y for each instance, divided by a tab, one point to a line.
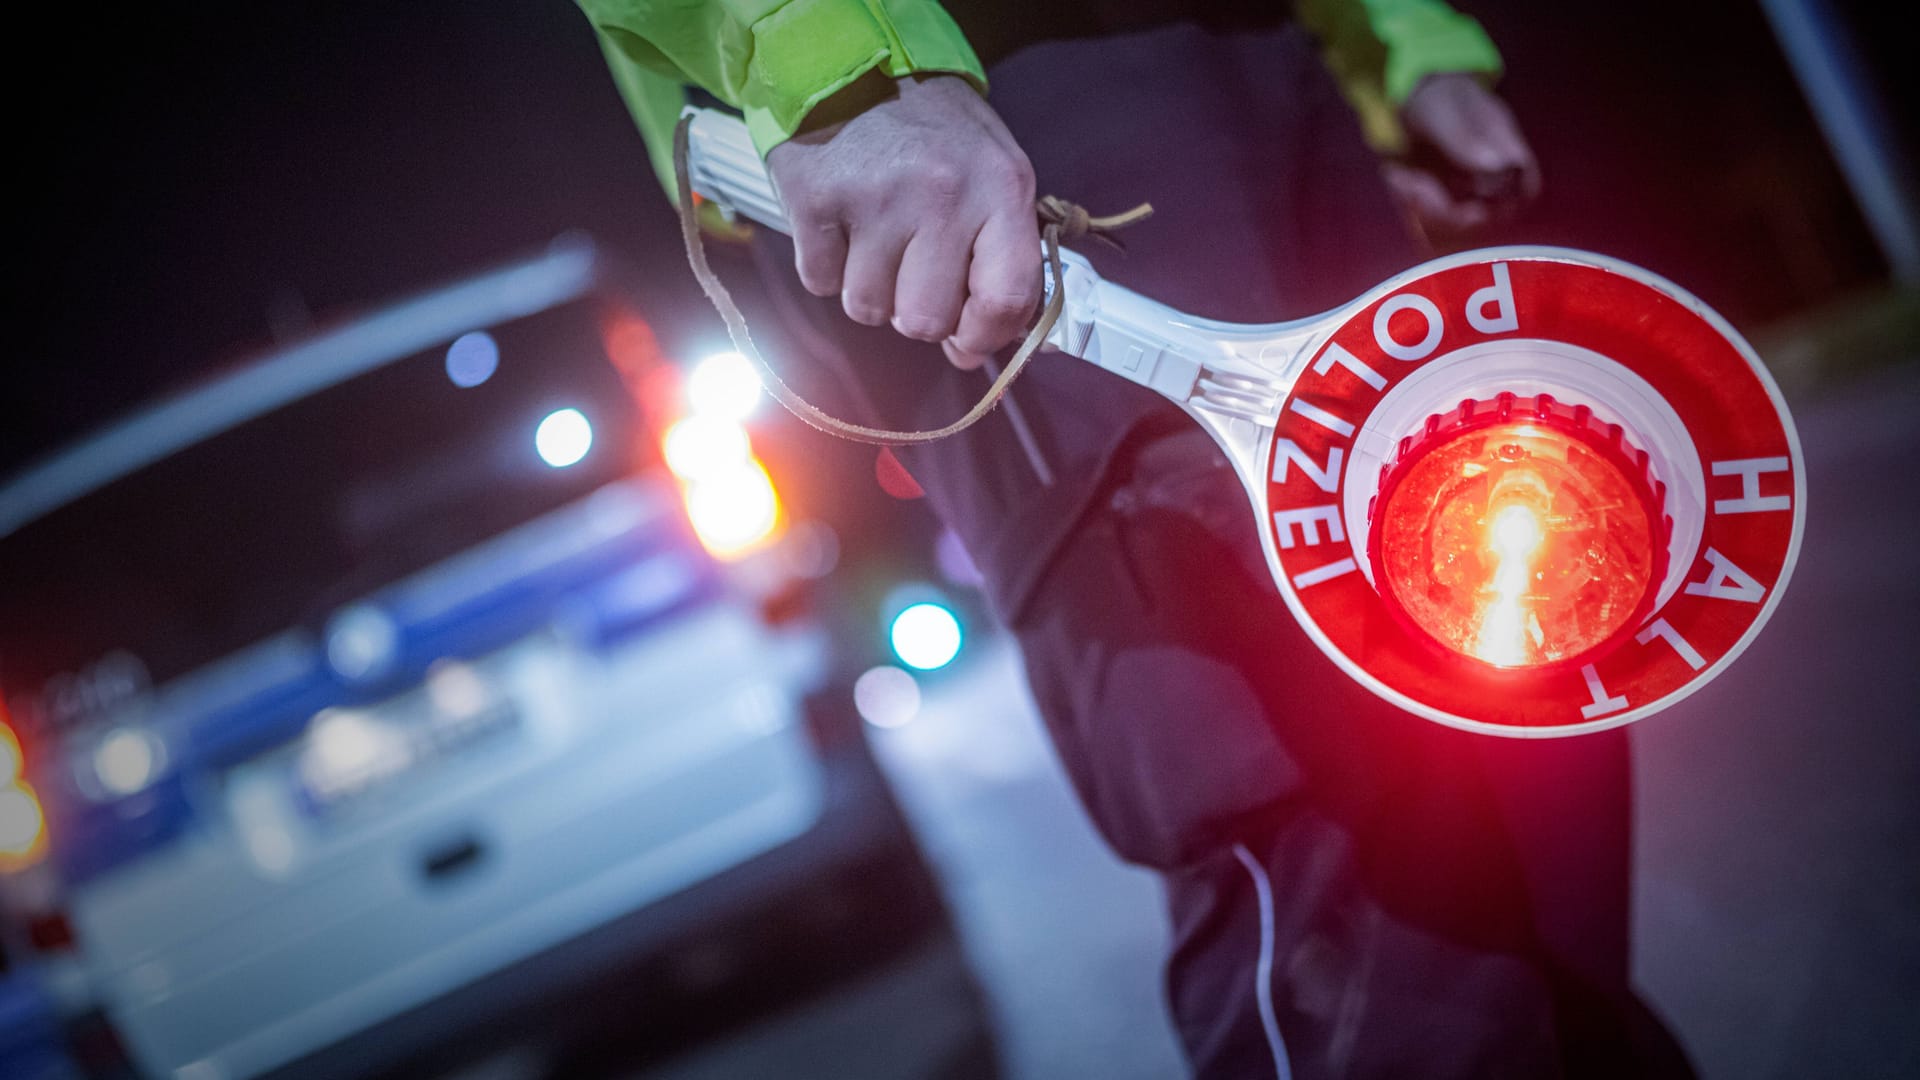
724	167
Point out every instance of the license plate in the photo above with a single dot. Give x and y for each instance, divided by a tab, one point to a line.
350	751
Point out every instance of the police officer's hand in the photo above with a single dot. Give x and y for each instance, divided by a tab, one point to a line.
910	200
1467	164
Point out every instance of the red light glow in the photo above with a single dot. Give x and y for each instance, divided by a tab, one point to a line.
1519	533
13	762
23	829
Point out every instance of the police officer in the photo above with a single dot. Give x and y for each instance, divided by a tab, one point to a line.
1353	891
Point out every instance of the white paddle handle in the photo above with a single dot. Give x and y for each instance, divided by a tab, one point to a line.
1113	327
724	167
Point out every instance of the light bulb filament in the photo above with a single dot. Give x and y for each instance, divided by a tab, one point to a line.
1513	537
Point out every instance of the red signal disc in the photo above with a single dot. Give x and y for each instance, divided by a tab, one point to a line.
1738	470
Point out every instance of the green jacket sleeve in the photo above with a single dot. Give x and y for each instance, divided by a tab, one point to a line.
1381	49
774	60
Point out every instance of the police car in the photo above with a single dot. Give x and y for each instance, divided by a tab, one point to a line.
363	697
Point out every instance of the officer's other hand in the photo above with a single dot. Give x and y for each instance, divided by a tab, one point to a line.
1467	164
910	200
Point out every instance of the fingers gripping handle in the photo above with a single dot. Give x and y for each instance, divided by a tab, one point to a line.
1110	326
716	291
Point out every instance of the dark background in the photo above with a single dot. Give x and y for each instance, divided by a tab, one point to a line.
194	180
200	178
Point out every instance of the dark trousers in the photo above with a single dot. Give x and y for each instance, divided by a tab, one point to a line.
1415	901
1353	891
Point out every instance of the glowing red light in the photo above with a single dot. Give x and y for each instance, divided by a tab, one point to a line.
13	761
1519	533
23	828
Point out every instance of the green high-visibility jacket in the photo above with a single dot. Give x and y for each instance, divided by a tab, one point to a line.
775	60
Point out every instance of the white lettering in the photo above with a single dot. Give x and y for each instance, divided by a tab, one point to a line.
1602	704
1750	500
1337	355
1662	629
1500	296
1324	573
1394	306
1322	417
1727	582
1325	479
1308	519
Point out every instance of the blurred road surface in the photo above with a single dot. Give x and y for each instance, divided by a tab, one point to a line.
1066	940
1778	899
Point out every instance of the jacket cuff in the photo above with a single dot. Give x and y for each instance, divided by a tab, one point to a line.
809	50
1432	41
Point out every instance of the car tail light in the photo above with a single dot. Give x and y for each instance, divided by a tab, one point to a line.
700	446
730	497
725	385
734	511
13	762
23	826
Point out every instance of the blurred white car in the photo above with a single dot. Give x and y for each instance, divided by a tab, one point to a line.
378	691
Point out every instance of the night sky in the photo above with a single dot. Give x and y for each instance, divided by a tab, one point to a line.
198	175
214	171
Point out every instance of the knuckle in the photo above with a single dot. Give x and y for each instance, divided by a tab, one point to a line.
1011	177
861	193
924	326
942	174
819	270
864	310
942	184
811	211
860	202
818	281
1002	309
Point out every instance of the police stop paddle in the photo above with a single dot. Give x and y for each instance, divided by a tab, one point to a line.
1522	491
